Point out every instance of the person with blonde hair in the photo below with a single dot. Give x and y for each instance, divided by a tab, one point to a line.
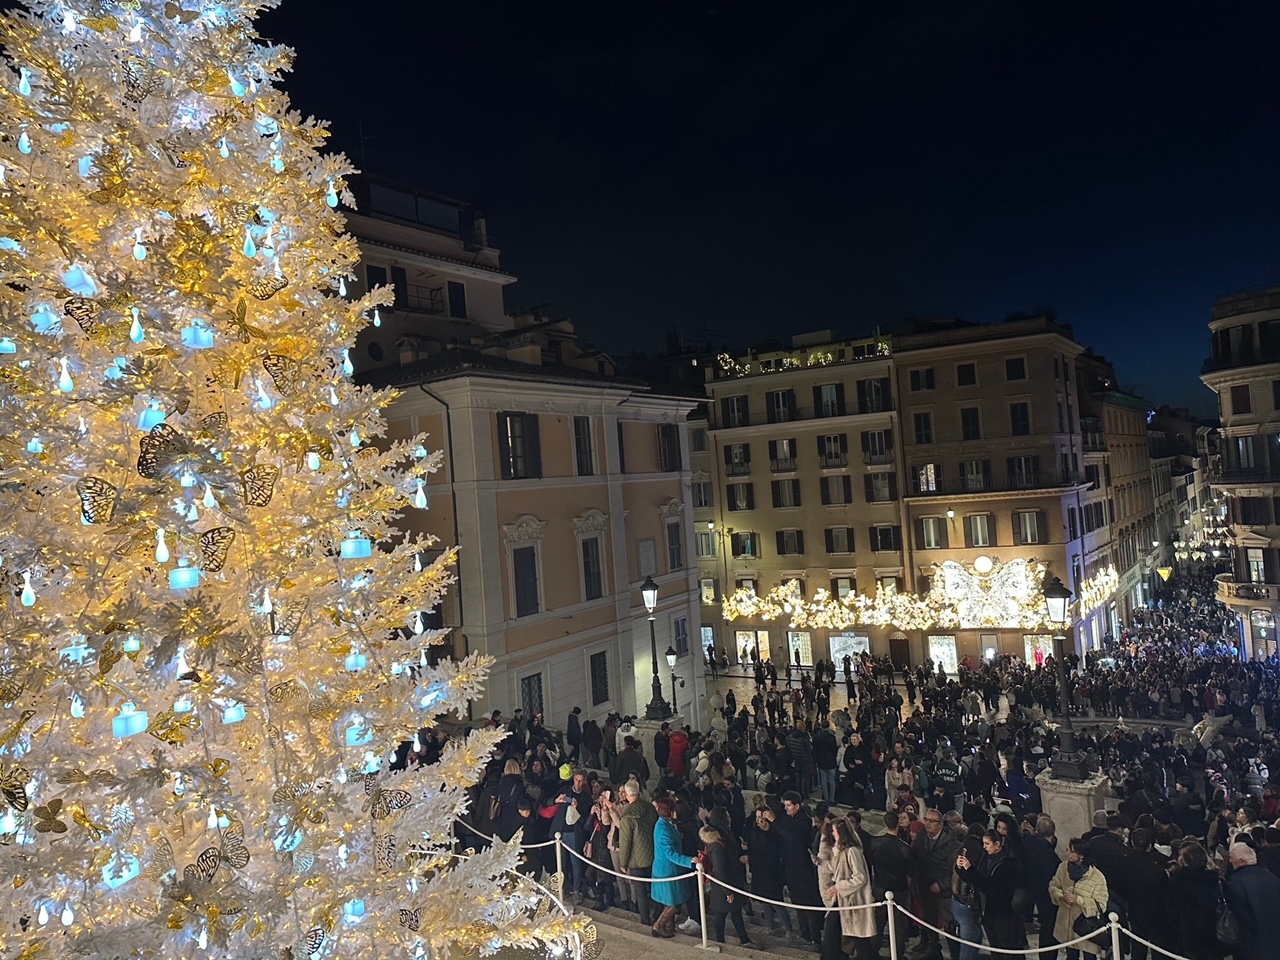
845	882
726	871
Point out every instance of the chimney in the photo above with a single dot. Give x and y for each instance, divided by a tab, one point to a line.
479	231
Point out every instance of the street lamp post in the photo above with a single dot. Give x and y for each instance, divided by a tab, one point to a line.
672	656
1068	763
657	708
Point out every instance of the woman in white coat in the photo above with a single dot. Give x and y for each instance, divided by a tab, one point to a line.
845	882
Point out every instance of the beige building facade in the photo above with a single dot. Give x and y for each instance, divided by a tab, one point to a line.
1244	371
563	485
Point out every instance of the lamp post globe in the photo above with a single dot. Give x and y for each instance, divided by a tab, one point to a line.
657	708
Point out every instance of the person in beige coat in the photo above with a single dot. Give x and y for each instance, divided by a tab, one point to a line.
845	881
1078	888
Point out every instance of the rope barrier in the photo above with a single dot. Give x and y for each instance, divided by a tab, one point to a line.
523	846
1147	943
1009	950
792	906
627	876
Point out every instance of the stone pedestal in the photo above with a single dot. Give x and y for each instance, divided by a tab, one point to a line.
1072	803
644	732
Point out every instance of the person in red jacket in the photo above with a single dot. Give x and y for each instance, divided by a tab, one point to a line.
679	747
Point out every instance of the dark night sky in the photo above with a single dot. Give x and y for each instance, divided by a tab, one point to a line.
758	170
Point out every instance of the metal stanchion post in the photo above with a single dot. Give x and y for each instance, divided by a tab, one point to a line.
1115	935
702	905
560	868
893	926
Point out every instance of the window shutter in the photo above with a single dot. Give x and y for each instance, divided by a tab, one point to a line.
871	534
986	473
840	399
724	412
835	589
780	540
822	448
830	536
893	486
799	541
919	534
776	487
944	540
888	440
534	442
897	537
746	453
866	440
848	488
791	403
773	449
862	396
991	530
1042	526
504	446
751	496
728	456
968	531
825	486
849	538
866	482
795	492
1010	469
844	443
1017	531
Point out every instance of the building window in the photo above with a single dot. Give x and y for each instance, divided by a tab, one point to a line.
922	379
928	477
979	530
706	543
745	544
970	424
881	487
531	694
375	276
975	473
1020	419
737	459
842	587
933	536
790	542
839	539
786	493
702	493
828	400
746	583
1257	568
1240	402
833	450
780	405
599	678
457	299
836	491
966	374
1027	525
669	459
707	589
877	446
519	447
734	412
592	570
924	428
782	455
698	440
741	496
524	565
680	630
885	538
1015	368
675	547
582	446
622	450
874	395
1023	471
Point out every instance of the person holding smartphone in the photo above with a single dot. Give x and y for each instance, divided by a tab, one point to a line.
996	878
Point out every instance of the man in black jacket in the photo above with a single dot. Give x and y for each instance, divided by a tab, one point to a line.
890	856
1147	890
1040	863
933	855
795	828
1110	854
1188	809
1253	892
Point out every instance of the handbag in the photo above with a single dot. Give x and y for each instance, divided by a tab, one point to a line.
1225	926
1086	926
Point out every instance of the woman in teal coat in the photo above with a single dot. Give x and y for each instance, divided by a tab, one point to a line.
668	862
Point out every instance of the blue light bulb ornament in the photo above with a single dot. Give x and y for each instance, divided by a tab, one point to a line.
333	396
223	150
377	318
331	198
348	368
209	501
85	167
34	445
420	497
28	593
264	400
277	163
237	87
24	81
65	383
139	251
250	248
136	333
24	142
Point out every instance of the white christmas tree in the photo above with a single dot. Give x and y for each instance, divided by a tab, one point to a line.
205	661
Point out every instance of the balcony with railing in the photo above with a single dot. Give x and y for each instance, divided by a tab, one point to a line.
1244	476
738	468
833	461
729	367
1228	590
1043	480
783	464
877	458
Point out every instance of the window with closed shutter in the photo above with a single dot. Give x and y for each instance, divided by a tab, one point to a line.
592	570
669	456
582	446
519	446
924	427
524	563
675	547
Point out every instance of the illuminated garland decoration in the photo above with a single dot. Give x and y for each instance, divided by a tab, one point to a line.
1008	595
1098	589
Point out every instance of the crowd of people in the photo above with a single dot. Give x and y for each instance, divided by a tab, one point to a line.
924	785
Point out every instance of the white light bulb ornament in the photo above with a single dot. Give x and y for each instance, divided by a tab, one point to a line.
28	593
377	318
420	496
139	250
162	548
65	383
348	368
